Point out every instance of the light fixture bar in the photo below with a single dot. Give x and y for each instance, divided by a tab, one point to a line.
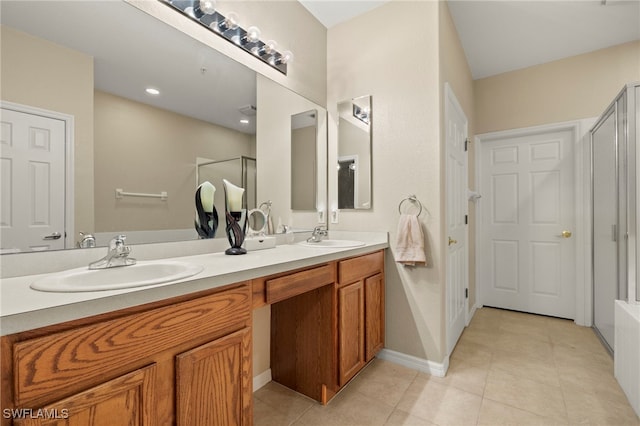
228	28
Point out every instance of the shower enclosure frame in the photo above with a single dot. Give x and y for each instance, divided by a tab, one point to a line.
625	109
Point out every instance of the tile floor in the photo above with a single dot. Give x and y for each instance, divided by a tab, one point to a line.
508	368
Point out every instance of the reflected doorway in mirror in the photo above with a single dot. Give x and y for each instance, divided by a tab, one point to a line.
354	153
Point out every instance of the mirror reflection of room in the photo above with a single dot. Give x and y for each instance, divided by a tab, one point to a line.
304	130
121	136
354	154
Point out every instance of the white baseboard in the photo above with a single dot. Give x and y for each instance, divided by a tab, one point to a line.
420	364
470	313
261	379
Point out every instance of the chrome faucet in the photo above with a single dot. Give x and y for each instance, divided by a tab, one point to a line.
319	233
87	240
118	255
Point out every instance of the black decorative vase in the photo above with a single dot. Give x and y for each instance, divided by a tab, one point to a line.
236	228
206	222
236	217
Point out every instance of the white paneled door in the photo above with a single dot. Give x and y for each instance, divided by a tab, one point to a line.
526	251
32	168
457	209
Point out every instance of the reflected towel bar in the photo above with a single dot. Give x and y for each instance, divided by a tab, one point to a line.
120	193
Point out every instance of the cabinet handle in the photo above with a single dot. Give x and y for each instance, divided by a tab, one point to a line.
54	236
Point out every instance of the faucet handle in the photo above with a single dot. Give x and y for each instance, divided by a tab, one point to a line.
116	241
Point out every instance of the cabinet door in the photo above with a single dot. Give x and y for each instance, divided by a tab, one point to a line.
214	382
127	400
374	315
351	330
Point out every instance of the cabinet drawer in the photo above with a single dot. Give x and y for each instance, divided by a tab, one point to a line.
281	288
63	362
357	268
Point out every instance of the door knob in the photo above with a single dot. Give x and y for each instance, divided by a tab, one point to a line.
566	234
452	241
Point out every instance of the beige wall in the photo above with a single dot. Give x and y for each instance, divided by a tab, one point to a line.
375	54
140	148
455	70
38	73
568	89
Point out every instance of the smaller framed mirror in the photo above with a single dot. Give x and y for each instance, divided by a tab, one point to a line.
354	153
257	223
304	162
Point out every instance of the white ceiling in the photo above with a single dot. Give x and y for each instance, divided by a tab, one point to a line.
333	12
501	36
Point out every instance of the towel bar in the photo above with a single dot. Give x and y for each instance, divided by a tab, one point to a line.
410	198
120	193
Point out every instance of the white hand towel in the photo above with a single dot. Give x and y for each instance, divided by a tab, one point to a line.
410	241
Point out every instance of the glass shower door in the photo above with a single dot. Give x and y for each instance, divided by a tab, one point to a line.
606	231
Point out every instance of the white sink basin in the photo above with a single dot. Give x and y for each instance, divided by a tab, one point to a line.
138	275
333	244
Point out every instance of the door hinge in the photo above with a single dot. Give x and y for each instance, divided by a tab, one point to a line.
466	293
466	144
466	219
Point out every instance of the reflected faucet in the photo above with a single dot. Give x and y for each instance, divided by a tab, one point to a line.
319	232
118	255
87	240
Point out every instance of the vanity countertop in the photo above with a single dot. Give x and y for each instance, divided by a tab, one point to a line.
22	308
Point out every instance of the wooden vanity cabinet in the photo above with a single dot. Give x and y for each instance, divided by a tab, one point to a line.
327	323
303	331
184	361
351	331
211	381
360	313
126	400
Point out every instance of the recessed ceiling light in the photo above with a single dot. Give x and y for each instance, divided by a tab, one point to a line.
152	91
244	121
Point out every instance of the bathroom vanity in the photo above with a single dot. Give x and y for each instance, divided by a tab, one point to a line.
187	359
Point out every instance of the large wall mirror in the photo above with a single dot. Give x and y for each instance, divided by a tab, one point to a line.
354	153
304	164
92	61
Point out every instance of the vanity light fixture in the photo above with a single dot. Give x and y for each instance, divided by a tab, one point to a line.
361	114
208	7
244	121
228	27
152	91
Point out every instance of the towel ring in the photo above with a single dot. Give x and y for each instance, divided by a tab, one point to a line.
410	198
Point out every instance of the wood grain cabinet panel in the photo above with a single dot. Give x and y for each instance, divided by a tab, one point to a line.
291	285
351	330
214	383
303	341
360	313
374	315
62	362
137	368
360	267
125	401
